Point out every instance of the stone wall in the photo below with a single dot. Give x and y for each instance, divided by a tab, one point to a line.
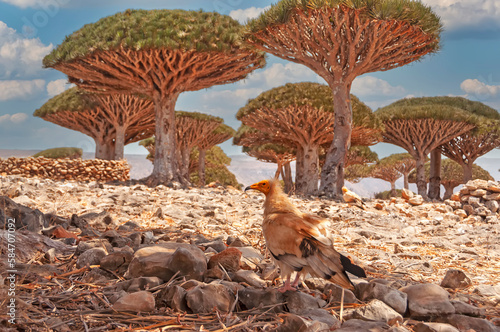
478	200
67	169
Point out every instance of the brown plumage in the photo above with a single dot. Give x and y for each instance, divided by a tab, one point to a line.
301	242
352	198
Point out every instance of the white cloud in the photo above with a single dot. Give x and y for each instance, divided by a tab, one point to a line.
16	118
372	86
20	89
243	15
231	99
58	86
20	56
478	88
45	4
458	14
279	74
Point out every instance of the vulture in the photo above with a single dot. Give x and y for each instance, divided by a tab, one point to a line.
301	242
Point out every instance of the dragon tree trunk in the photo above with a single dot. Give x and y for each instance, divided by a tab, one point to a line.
201	166
299	168
308	182
184	163
393	189
332	174
448	190
119	142
287	178
435	175
406	183
103	149
165	166
467	167
421	183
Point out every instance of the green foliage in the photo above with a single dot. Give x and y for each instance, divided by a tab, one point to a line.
394	159
355	173
72	100
473	107
451	171
216	162
55	153
425	111
147	142
411	11
198	116
149	29
363	152
387	194
318	96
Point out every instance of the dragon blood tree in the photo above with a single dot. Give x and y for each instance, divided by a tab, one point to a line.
393	167
111	120
420	128
261	146
301	114
357	163
192	129
277	154
467	147
340	40
160	54
452	175
217	136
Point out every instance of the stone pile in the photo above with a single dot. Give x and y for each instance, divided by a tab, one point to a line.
67	169
185	255
477	201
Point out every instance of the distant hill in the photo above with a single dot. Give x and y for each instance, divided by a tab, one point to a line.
248	170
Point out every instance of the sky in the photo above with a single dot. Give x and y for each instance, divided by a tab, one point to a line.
467	65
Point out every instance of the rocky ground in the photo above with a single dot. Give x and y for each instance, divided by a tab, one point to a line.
94	257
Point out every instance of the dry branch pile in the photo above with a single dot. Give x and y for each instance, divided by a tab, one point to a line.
67	169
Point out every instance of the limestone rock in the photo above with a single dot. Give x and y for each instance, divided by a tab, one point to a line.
296	323
142	301
254	298
394	298
189	262
466	323
435	327
174	297
298	302
206	297
229	259
426	300
377	310
90	257
250	278
455	279
358	325
334	293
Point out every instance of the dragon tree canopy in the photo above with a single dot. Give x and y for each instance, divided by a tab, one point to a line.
383	34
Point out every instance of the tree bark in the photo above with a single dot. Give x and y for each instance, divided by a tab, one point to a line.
467	167
184	162
421	183
165	166
299	168
435	175
119	142
406	184
448	191
201	166
393	189
104	149
332	174
288	178
310	163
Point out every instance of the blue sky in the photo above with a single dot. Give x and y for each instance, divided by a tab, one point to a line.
467	65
